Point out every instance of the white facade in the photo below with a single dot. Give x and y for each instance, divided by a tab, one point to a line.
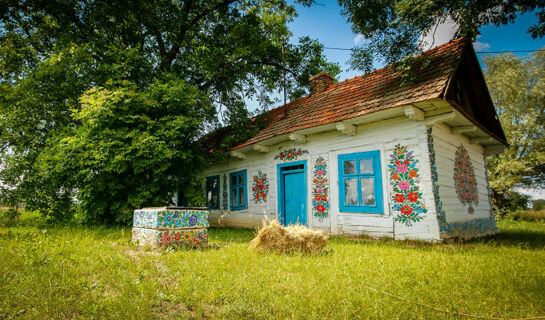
382	136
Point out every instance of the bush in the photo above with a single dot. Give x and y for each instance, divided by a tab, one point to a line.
526	215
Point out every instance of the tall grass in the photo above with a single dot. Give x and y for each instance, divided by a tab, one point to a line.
77	272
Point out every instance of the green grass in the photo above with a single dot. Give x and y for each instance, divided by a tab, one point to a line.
77	272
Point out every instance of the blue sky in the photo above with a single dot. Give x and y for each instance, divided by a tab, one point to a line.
325	23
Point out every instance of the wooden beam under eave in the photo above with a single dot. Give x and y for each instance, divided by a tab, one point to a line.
260	148
494	149
462	129
430	121
346	128
298	137
480	140
237	154
414	113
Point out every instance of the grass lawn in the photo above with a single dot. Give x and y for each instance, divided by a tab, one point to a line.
76	272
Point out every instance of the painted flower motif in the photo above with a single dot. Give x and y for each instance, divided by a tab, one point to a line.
404	185
404	180
406	210
320	208
413	197
192	220
401	168
177	236
317	197
291	154
165	239
324	198
187	236
261	187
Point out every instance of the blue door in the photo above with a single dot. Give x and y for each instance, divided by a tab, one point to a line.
293	194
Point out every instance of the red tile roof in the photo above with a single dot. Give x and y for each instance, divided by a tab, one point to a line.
378	90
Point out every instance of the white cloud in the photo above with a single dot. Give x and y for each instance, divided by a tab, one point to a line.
441	33
479	46
358	38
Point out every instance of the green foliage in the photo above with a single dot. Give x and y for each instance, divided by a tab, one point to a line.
101	103
392	28
527	215
539	204
78	272
517	88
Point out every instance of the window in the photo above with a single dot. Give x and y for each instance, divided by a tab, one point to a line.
213	192
238	190
360	182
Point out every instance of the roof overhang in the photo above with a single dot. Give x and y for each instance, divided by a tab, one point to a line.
429	112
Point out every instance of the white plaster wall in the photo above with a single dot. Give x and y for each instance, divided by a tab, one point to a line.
446	144
382	136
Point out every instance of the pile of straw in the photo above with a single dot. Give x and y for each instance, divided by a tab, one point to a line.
292	239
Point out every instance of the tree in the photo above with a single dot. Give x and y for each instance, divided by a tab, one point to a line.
517	87
102	103
392	28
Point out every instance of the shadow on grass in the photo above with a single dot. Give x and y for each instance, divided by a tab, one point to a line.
515	238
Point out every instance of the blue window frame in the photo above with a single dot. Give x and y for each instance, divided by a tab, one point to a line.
213	192
238	189
360	182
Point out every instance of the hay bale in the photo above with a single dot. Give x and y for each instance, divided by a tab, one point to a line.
296	238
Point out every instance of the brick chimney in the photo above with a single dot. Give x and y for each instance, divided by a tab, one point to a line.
320	82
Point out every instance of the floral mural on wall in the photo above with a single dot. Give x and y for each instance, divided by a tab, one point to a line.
320	189
464	179
473	227
290	154
260	187
406	198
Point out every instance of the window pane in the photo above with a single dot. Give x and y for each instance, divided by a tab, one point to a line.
366	166
233	180
234	196
351	191
350	167
214	201
240	196
368	191
209	197
241	179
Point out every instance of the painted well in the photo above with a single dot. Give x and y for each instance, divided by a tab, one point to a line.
167	226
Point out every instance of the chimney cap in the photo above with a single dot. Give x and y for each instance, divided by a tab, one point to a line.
321	74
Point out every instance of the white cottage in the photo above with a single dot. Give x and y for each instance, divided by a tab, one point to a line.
371	155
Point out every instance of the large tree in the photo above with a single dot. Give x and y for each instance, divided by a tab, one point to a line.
517	87
392	28
102	102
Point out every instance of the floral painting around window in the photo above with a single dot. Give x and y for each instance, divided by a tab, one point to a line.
404	178
224	193
464	179
320	189
260	187
290	154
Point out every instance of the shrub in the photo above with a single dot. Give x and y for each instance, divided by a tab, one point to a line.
526	215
